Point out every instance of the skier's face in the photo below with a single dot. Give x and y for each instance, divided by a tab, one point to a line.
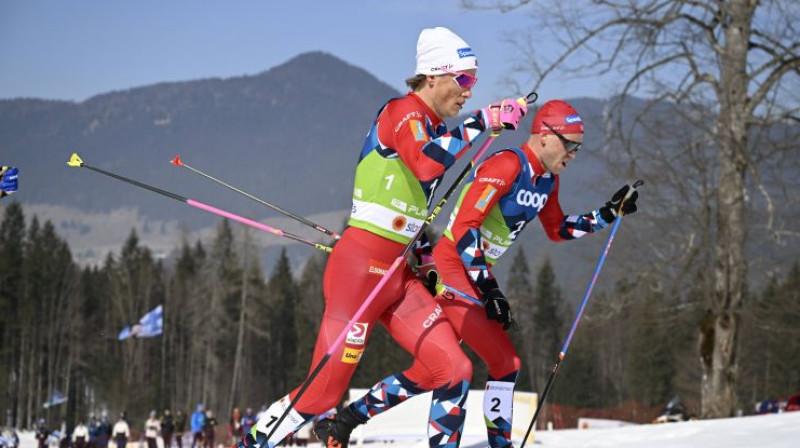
447	95
555	156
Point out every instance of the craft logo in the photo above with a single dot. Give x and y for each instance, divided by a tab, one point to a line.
492	180
418	130
358	334
486	196
351	355
406	118
399	223
465	52
433	317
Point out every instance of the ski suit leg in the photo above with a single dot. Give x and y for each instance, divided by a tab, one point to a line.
488	339
419	326
354	268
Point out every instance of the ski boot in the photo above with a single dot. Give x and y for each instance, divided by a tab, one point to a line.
334	431
248	441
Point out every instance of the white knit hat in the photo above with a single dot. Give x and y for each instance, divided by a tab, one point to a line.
439	48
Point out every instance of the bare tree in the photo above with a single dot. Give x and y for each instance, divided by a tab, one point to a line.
739	59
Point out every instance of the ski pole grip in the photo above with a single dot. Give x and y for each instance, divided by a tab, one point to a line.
633	188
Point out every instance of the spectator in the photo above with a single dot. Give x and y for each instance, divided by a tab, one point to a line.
180	427
80	436
93	430
151	429
42	433
167	428
248	420
103	432
209	426
235	426
64	436
121	432
198	420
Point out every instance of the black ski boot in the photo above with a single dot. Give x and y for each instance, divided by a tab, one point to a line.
334	431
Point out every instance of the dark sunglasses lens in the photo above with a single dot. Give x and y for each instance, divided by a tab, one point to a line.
466	81
572	146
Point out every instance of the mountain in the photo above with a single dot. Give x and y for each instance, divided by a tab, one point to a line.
284	133
289	135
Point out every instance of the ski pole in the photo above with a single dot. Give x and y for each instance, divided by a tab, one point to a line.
572	329
530	98
180	163
76	162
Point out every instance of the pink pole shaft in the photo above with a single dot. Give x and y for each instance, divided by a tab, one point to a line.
230	215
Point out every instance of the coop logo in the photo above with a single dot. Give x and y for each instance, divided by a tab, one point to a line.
569	119
352	356
358	334
432	317
528	199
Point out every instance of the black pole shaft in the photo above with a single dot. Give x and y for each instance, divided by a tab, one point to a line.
530	98
180	198
546	392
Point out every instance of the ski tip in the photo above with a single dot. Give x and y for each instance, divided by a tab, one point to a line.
177	161
75	160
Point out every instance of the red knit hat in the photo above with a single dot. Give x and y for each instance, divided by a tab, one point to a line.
560	116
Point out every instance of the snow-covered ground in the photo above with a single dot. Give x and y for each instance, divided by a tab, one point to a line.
405	426
773	430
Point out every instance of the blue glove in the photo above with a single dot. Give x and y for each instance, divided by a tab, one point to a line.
8	180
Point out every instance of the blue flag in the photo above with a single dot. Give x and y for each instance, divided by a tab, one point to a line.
150	325
56	398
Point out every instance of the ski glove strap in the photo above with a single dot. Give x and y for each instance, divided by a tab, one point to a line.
505	114
426	270
497	308
613	207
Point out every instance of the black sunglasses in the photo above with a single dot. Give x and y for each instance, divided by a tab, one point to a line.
569	145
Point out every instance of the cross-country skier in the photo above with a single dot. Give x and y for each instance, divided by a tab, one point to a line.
8	180
403	160
508	190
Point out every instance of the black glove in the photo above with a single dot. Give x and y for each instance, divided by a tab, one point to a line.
610	211
497	308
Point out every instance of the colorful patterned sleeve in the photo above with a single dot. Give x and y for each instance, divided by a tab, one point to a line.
411	135
560	227
493	179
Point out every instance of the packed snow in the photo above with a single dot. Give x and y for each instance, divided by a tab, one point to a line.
405	427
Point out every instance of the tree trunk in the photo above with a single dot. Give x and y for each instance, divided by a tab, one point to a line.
237	361
720	329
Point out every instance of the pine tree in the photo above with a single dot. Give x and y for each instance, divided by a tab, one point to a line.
521	299
547	320
12	241
308	315
283	294
651	359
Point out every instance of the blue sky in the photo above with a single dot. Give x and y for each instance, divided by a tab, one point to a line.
75	49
